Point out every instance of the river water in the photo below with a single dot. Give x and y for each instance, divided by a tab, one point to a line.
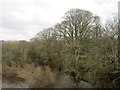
63	81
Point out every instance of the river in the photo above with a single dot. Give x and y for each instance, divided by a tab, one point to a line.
63	81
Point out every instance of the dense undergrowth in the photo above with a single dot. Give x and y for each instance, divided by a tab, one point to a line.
36	77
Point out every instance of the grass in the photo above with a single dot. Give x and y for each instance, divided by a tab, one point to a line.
37	77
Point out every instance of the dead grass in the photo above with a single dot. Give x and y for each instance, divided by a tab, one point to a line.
37	77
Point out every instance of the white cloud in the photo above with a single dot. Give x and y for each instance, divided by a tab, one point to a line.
22	19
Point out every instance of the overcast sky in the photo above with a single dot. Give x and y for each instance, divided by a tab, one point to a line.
22	19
